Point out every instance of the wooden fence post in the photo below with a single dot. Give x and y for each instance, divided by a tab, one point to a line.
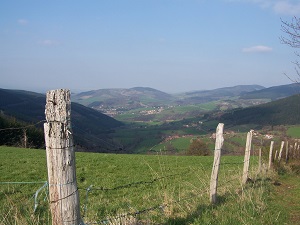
259	161
63	191
271	154
280	152
247	157
287	152
216	165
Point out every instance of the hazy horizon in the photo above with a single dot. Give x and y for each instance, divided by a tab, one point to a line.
170	45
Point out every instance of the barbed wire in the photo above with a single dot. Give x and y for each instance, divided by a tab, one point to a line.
160	206
132	184
146	210
23	127
35	196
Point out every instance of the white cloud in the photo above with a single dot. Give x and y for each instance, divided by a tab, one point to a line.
257	48
287	8
22	22
48	42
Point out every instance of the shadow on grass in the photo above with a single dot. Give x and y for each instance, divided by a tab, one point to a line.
201	210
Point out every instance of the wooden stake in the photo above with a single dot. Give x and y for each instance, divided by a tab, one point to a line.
271	154
247	157
216	165
280	151
287	152
259	161
63	191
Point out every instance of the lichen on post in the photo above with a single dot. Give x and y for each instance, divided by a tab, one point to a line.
63	191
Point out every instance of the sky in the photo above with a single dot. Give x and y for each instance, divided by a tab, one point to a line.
170	45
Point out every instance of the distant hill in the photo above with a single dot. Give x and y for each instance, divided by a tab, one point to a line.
195	97
131	98
284	111
273	93
89	126
107	100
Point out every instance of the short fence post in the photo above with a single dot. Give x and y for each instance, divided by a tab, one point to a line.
280	152
216	165
259	161
63	191
271	154
287	152
276	154
247	157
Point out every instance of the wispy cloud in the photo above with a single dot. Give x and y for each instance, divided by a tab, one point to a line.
257	48
49	42
282	7
287	8
22	22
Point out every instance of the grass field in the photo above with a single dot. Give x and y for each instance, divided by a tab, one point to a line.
163	189
294	131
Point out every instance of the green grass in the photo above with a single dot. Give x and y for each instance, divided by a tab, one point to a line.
294	131
179	183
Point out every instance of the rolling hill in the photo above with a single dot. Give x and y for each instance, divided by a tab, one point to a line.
273	93
89	126
123	99
195	97
284	111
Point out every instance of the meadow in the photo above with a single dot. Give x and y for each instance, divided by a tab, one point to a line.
137	189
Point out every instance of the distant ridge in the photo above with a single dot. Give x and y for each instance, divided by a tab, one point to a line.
139	97
273	93
131	98
284	111
195	97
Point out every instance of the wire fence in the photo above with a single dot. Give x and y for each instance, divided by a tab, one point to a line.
200	191
37	197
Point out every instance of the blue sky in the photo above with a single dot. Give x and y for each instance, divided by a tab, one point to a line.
170	45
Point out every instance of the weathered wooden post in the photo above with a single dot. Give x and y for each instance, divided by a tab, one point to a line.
280	151
295	151
271	154
216	165
63	191
247	157
259	161
287	152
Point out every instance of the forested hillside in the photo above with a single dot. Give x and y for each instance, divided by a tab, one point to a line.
91	128
280	112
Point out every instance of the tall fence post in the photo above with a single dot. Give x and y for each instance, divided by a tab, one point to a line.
216	165
271	154
63	191
247	157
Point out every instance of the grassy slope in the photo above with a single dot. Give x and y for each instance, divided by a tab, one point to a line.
181	184
286	197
